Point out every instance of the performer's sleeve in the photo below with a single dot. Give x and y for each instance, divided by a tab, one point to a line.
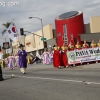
19	53
25	53
53	52
60	51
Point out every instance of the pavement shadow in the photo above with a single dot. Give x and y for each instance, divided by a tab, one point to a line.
8	78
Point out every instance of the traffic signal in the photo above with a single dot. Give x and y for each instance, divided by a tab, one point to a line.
45	44
21	31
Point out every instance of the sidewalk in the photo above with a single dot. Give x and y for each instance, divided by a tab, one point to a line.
95	65
43	66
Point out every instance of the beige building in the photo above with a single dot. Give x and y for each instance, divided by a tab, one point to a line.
33	42
95	24
15	47
15	44
92	30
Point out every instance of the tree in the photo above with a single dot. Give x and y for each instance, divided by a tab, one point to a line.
6	25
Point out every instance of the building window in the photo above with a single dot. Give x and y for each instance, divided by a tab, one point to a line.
65	34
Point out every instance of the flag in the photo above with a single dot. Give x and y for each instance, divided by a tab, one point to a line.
11	32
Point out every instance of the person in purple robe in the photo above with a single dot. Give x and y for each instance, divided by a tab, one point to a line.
22	59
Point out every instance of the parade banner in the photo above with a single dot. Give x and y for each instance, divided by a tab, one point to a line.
83	55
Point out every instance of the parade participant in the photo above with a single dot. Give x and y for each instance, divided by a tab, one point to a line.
45	56
1	76
3	63
64	56
78	46
38	57
56	56
71	47
36	60
98	44
29	60
93	44
85	45
50	56
6	62
2	60
16	60
11	62
32	56
22	59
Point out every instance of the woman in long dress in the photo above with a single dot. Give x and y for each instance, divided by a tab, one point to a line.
45	56
64	61
11	62
56	57
50	56
29	59
6	62
16	60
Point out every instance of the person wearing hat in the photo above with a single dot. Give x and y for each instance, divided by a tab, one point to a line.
56	56
22	59
64	61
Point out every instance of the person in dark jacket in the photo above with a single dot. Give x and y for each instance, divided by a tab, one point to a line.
1	76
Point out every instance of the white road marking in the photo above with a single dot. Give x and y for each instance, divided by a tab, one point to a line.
53	79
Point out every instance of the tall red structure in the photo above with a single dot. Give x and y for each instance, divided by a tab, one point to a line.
68	27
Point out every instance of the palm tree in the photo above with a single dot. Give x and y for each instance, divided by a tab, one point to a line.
6	25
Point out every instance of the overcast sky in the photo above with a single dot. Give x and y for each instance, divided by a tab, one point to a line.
44	9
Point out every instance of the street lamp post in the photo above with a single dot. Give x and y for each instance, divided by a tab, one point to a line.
41	23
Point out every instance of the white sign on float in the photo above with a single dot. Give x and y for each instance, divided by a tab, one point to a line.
83	55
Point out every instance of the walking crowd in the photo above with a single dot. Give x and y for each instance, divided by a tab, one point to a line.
55	55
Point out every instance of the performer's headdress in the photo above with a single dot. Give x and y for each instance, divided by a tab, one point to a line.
21	45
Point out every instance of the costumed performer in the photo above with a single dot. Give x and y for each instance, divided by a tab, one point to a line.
56	56
22	59
11	62
45	56
64	61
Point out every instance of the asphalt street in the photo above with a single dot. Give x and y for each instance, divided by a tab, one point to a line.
43	82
